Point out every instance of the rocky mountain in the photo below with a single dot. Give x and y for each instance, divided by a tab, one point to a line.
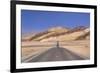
60	34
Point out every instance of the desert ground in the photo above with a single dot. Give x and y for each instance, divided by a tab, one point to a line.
80	47
33	49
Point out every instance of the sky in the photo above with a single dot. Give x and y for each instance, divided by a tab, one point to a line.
37	21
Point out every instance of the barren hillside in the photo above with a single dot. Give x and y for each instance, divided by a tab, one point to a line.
60	34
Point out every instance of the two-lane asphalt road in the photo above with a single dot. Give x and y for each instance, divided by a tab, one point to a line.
56	54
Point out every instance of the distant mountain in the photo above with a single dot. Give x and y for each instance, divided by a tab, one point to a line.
61	34
86	35
78	28
58	28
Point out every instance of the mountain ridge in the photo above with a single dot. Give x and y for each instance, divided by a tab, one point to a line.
60	34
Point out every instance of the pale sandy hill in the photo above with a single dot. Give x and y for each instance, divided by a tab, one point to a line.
52	32
33	36
75	35
86	35
60	34
27	37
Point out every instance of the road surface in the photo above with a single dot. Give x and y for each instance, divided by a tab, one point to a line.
55	54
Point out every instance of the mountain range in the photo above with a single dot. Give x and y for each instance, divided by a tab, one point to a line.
60	34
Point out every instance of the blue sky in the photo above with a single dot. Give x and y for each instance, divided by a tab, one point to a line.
37	21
